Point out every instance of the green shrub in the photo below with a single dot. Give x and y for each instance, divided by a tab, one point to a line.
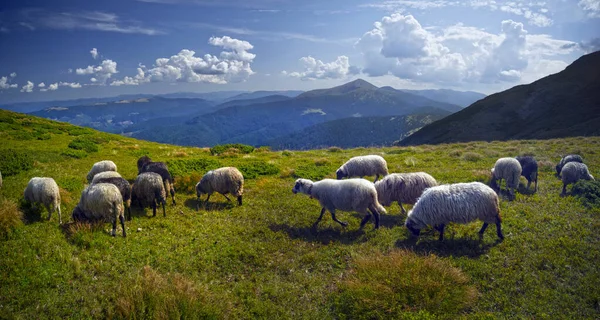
255	168
180	168
77	131
10	217
588	192
13	161
83	143
335	149
471	156
187	184
396	285
312	172
77	154
44	136
286	153
237	147
22	135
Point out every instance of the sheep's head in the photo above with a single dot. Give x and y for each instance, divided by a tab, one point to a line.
199	190
411	226
302	186
340	174
141	162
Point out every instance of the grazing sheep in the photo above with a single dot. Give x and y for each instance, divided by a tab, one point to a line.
122	184
46	192
101	202
347	195
573	172
459	203
508	169
148	190
101	166
223	180
145	164
361	166
529	168
566	159
403	187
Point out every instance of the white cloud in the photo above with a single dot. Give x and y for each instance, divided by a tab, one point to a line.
101	72
232	65
28	87
73	85
317	69
5	82
591	7
41	85
53	87
94	53
14	74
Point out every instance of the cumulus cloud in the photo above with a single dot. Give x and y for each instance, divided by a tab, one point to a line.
28	87
5	82
94	53
101	72
14	74
398	45
73	85
41	85
591	7
53	86
317	69
231	65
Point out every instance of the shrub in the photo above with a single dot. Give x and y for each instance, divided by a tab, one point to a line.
241	148
255	168
335	149
14	161
312	172
77	131
77	154
286	153
152	295
83	143
264	149
588	192
180	168
471	156
187	184
10	217
22	135
394	285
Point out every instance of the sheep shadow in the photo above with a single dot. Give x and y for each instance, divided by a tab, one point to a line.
321	235
505	194
74	232
522	189
191	203
428	243
34	214
385	220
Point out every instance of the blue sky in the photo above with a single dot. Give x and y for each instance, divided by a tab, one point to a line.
74	49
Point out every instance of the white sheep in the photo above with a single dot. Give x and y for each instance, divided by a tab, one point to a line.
223	180
120	182
459	203
46	192
148	189
403	187
573	172
371	165
509	170
346	195
106	175
566	159
101	166
101	202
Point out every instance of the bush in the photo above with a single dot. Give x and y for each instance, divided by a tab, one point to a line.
312	172
187	184
10	217
77	154
180	168
588	192
255	168
472	156
13	161
84	143
335	149
22	135
395	285
77	131
238	148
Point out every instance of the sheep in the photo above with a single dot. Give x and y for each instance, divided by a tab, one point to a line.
45	191
101	202
346	195
403	187
145	164
371	165
101	166
508	169
119	182
223	180
529	168
566	159
148	190
459	203
573	172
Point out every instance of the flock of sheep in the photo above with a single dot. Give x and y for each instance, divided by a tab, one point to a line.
108	194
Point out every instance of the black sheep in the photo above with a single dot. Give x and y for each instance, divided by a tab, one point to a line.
145	164
566	159
529	170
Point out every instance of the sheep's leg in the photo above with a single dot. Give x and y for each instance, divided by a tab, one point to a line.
59	215
376	215
239	200
164	210
564	190
320	217
206	203
122	219
198	204
528	184
499	229
365	219
224	195
401	207
114	229
485	225
49	211
129	211
173	194
154	208
536	184
376	178
440	228
344	224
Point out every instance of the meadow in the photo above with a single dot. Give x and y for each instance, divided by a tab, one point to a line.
264	260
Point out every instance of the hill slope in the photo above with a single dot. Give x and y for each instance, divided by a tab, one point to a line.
565	104
460	98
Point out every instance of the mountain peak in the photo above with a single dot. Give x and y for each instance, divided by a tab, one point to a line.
343	89
358	83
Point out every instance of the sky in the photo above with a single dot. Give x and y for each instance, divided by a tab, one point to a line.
56	50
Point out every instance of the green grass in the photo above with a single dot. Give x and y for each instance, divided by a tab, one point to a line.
263	259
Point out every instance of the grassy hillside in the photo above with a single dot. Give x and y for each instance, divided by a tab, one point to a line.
263	260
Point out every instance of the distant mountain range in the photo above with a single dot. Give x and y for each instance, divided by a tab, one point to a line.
564	104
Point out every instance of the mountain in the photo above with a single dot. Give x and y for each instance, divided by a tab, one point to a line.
564	104
257	124
262	94
247	102
460	98
364	132
116	116
217	96
27	107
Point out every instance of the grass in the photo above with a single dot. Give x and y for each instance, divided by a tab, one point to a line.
264	260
